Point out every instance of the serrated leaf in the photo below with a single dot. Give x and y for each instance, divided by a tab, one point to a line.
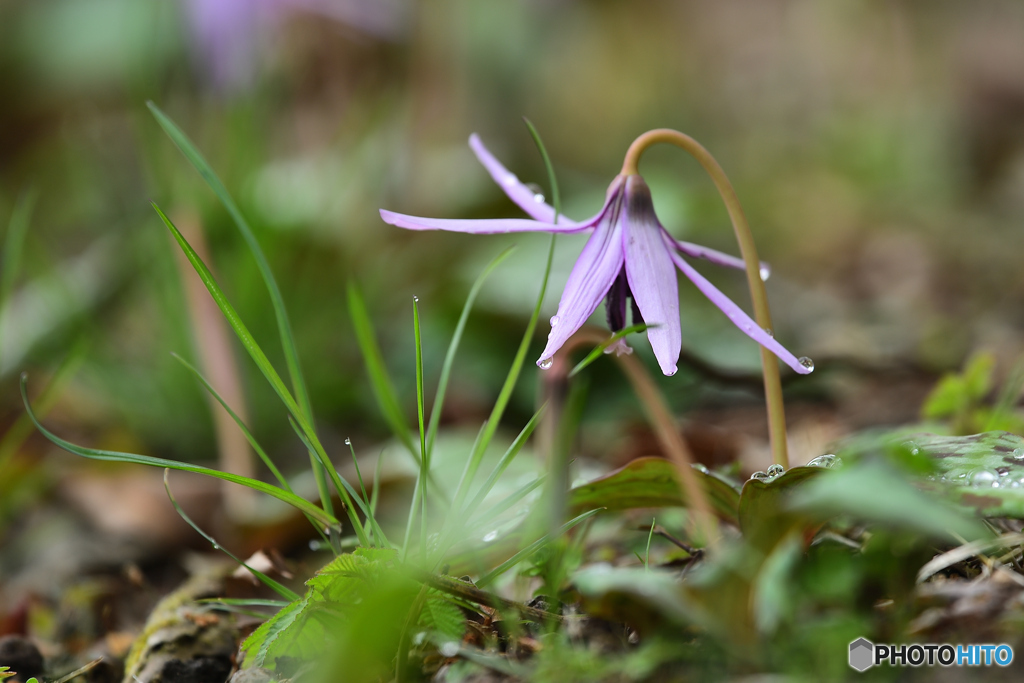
443	616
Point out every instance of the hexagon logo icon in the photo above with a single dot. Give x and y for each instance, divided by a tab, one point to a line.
862	654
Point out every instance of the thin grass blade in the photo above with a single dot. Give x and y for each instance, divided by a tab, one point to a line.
280	589
116	456
600	348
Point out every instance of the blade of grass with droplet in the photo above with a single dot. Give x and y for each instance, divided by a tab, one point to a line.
424	472
380	381
191	152
531	549
117	456
453	347
281	590
345	490
600	348
370	510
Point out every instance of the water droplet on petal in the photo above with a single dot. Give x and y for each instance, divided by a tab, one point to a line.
765	272
545	363
671	371
539	198
769	332
509	180
807	363
554	320
490	536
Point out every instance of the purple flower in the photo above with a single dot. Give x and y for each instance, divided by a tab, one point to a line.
629	256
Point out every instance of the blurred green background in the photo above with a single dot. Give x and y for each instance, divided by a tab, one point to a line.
877	147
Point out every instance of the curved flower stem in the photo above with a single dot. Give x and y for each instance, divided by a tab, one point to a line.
758	294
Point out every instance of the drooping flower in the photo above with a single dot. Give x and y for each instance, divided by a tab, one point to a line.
629	255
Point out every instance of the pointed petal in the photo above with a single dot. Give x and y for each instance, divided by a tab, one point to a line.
713	256
591	278
479	227
516	190
652	278
738	317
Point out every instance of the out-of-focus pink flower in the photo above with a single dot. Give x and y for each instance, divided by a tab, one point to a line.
228	33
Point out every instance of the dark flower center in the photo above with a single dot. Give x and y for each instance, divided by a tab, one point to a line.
616	303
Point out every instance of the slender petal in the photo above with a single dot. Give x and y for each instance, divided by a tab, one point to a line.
478	227
738	317
713	256
652	279
526	198
591	278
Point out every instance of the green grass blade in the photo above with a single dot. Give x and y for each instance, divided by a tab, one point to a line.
499	469
453	347
600	348
531	549
424	474
281	590
491	426
238	421
295	501
345	490
277	302
506	503
367	507
556	201
254	350
380	381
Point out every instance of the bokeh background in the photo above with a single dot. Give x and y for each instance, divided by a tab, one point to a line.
877	147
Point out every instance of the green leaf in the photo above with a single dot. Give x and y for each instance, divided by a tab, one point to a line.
875	492
652	482
295	501
443	616
764	514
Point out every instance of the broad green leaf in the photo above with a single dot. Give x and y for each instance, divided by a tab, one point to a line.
652	482
295	501
875	492
764	517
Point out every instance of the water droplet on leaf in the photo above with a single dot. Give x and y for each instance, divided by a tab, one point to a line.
775	470
760	476
982	478
490	536
828	461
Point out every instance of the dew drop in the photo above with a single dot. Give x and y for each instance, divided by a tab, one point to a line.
539	198
769	332
449	649
545	363
760	476
554	320
348	441
982	478
490	536
807	363
1018	453
510	180
671	371
765	272
828	461
416	299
